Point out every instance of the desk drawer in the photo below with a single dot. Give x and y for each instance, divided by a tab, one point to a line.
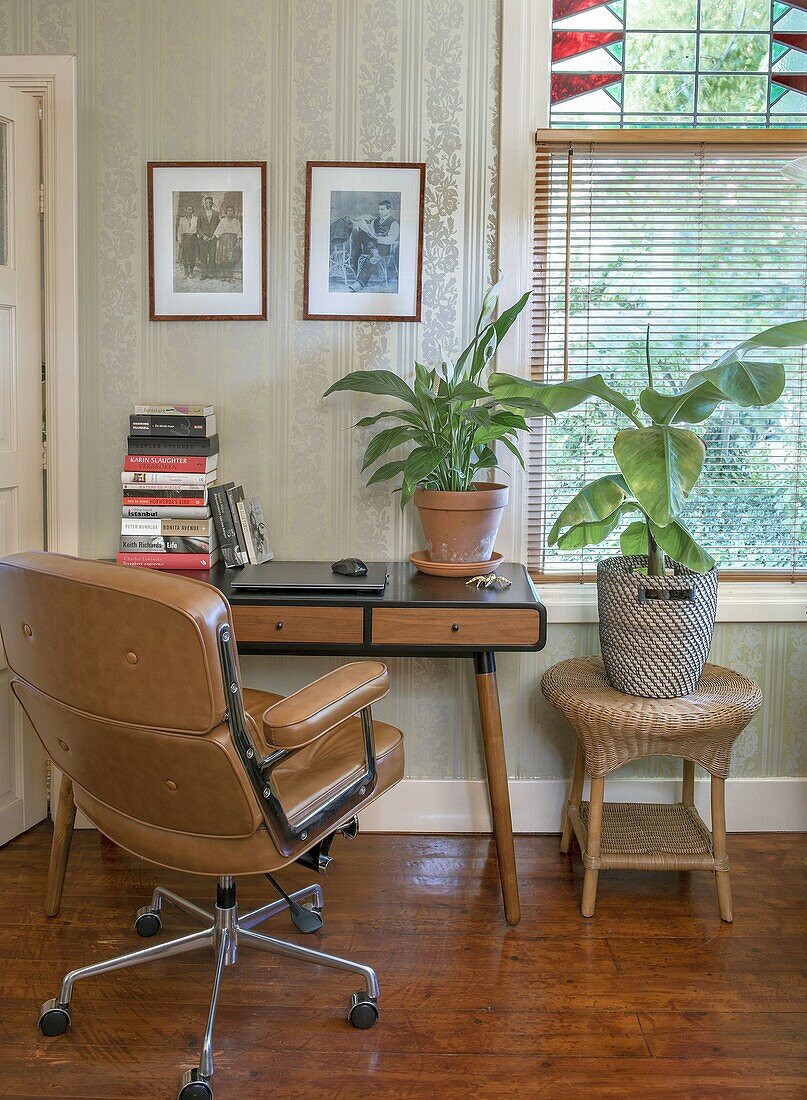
284	624
428	626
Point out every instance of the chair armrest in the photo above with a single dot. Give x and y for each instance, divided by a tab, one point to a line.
327	702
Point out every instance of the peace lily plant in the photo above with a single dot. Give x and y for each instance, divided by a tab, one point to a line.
444	426
659	459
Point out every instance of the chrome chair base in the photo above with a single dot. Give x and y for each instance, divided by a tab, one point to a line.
225	931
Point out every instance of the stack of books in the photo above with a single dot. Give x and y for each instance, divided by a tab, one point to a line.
167	477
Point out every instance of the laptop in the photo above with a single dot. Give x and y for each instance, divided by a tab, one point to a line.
309	576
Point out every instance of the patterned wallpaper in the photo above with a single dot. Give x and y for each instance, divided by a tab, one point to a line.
289	81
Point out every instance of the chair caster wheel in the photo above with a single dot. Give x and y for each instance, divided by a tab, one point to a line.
194	1086
54	1018
147	922
363	1010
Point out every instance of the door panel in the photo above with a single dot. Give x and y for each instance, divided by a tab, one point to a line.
22	771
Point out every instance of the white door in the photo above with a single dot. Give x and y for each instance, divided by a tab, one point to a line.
22	759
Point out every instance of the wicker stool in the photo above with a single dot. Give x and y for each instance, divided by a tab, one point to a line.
612	729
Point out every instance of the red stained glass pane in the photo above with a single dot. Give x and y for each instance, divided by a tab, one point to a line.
568	85
572	43
795	41
796	81
562	8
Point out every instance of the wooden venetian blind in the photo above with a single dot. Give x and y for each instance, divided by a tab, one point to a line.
705	240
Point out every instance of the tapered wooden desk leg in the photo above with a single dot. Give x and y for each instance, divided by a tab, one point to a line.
498	788
60	847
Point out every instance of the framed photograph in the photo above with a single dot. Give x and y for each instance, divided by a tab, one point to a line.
207	241
363	241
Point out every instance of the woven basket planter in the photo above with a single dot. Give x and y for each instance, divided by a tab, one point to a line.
655	632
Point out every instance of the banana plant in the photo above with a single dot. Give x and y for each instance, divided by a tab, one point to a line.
448	420
659	462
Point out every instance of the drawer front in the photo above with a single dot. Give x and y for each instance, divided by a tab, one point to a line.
429	626
288	624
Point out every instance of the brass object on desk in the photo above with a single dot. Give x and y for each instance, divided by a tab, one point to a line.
489	580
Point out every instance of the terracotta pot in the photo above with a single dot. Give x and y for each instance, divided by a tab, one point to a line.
462	527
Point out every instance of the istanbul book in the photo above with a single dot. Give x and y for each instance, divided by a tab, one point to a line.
140	511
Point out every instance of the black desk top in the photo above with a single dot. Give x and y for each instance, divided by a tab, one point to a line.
406	587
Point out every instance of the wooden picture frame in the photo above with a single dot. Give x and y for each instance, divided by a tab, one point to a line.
206	274
363	241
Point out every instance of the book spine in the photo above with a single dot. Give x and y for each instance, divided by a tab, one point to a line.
168	425
141	527
177	464
193	528
250	545
223	521
138	511
165	501
165	544
165	477
173	445
168	561
235	493
177	491
174	410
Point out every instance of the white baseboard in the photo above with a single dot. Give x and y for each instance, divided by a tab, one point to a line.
461	805
777	805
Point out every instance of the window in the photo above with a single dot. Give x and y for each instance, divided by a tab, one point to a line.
683	63
703	238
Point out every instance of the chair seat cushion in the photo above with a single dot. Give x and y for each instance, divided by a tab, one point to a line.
326	765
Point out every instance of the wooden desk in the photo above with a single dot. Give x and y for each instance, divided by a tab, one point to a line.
417	616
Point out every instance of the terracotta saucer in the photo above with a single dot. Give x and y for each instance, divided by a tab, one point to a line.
454	569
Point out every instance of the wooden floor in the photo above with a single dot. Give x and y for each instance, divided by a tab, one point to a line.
651	997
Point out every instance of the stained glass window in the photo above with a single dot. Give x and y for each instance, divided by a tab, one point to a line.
680	63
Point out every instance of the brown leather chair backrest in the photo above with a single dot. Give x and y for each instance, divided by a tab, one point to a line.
118	670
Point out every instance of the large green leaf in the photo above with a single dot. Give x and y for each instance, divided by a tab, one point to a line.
594	502
387	471
468	391
385	441
404	415
790	335
595	532
742	381
661	465
559	397
375	381
421	462
633	539
687	407
676	541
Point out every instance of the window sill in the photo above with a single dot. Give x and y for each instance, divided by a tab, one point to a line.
737	602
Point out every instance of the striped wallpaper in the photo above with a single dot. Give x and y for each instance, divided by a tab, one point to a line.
287	81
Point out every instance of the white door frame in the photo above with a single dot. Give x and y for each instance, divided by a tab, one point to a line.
54	79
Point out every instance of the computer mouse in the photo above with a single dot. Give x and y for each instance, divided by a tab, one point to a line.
350	567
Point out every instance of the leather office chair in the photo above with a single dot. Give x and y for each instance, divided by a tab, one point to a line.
131	680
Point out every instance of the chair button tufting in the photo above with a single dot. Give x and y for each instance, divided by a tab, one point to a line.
64	745
131	658
27	630
170	784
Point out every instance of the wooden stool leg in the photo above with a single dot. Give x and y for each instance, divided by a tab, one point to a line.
688	792
593	845
719	848
575	794
60	847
